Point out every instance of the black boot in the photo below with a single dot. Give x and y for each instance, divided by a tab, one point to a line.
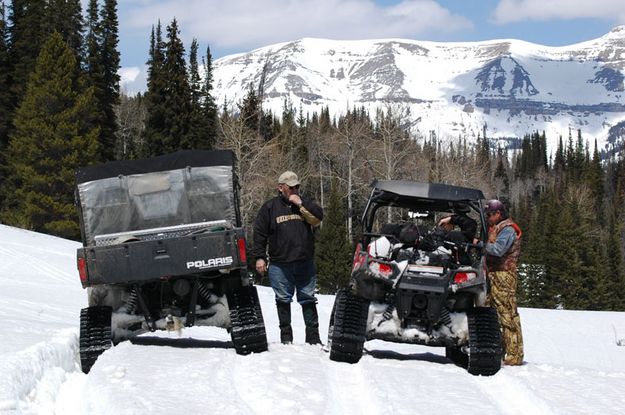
311	319
284	317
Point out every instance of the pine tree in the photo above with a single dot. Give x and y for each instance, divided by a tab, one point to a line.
94	65
68	21
532	272
559	162
549	251
502	183
208	102
177	104
53	136
5	96
483	152
249	109
6	106
616	236
198	122
334	251
154	132
194	73
595	179
110	64
29	29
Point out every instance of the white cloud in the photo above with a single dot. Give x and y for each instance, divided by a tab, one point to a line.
254	23
128	74
132	79
508	11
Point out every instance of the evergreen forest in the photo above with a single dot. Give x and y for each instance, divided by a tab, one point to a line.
61	107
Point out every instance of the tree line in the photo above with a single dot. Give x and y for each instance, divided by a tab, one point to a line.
59	87
61	108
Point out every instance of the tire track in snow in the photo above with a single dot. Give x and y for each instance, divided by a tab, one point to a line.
511	396
583	392
35	263
413	379
179	380
350	388
285	379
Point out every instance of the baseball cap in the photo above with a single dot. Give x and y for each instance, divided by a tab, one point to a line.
289	178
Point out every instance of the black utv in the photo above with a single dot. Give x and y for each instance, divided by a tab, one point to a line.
415	282
164	248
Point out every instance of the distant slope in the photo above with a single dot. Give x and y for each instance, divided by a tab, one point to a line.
512	86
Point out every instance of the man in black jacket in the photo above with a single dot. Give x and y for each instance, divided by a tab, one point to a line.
285	225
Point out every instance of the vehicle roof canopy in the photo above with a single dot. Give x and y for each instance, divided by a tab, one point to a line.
173	161
184	188
433	196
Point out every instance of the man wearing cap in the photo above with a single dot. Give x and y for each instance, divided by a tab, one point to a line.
283	237
502	255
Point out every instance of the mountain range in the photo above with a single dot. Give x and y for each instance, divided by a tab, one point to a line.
451	90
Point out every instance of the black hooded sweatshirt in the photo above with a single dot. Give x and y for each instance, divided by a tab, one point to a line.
284	228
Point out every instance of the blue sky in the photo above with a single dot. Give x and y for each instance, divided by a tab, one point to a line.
232	26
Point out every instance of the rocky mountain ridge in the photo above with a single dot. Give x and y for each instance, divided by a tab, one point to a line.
450	89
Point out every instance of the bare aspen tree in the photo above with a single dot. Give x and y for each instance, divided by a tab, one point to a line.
256	163
130	114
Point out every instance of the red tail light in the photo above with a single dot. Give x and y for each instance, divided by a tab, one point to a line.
384	270
242	250
461	277
82	269
359	258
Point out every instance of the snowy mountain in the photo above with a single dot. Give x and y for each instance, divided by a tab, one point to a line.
573	364
452	89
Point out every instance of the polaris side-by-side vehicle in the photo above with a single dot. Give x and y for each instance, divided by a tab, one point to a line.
164	248
415	282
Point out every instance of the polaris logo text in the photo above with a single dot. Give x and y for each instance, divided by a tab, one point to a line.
210	263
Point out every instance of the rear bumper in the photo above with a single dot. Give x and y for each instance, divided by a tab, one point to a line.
142	261
379	326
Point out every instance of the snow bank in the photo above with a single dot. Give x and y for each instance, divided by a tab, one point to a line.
31	379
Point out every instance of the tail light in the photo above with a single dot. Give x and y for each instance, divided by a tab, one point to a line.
82	269
382	269
359	258
461	277
242	250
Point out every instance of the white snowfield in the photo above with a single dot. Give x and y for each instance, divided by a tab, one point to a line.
573	363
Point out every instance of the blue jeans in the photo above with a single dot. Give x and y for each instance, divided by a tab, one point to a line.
286	278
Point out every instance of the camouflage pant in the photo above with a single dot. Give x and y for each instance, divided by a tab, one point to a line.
503	297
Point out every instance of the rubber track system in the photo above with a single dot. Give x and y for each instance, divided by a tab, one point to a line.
248	328
348	327
95	334
484	357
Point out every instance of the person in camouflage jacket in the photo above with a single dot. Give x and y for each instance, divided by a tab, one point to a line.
502	255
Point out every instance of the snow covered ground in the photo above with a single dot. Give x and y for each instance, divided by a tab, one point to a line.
573	364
